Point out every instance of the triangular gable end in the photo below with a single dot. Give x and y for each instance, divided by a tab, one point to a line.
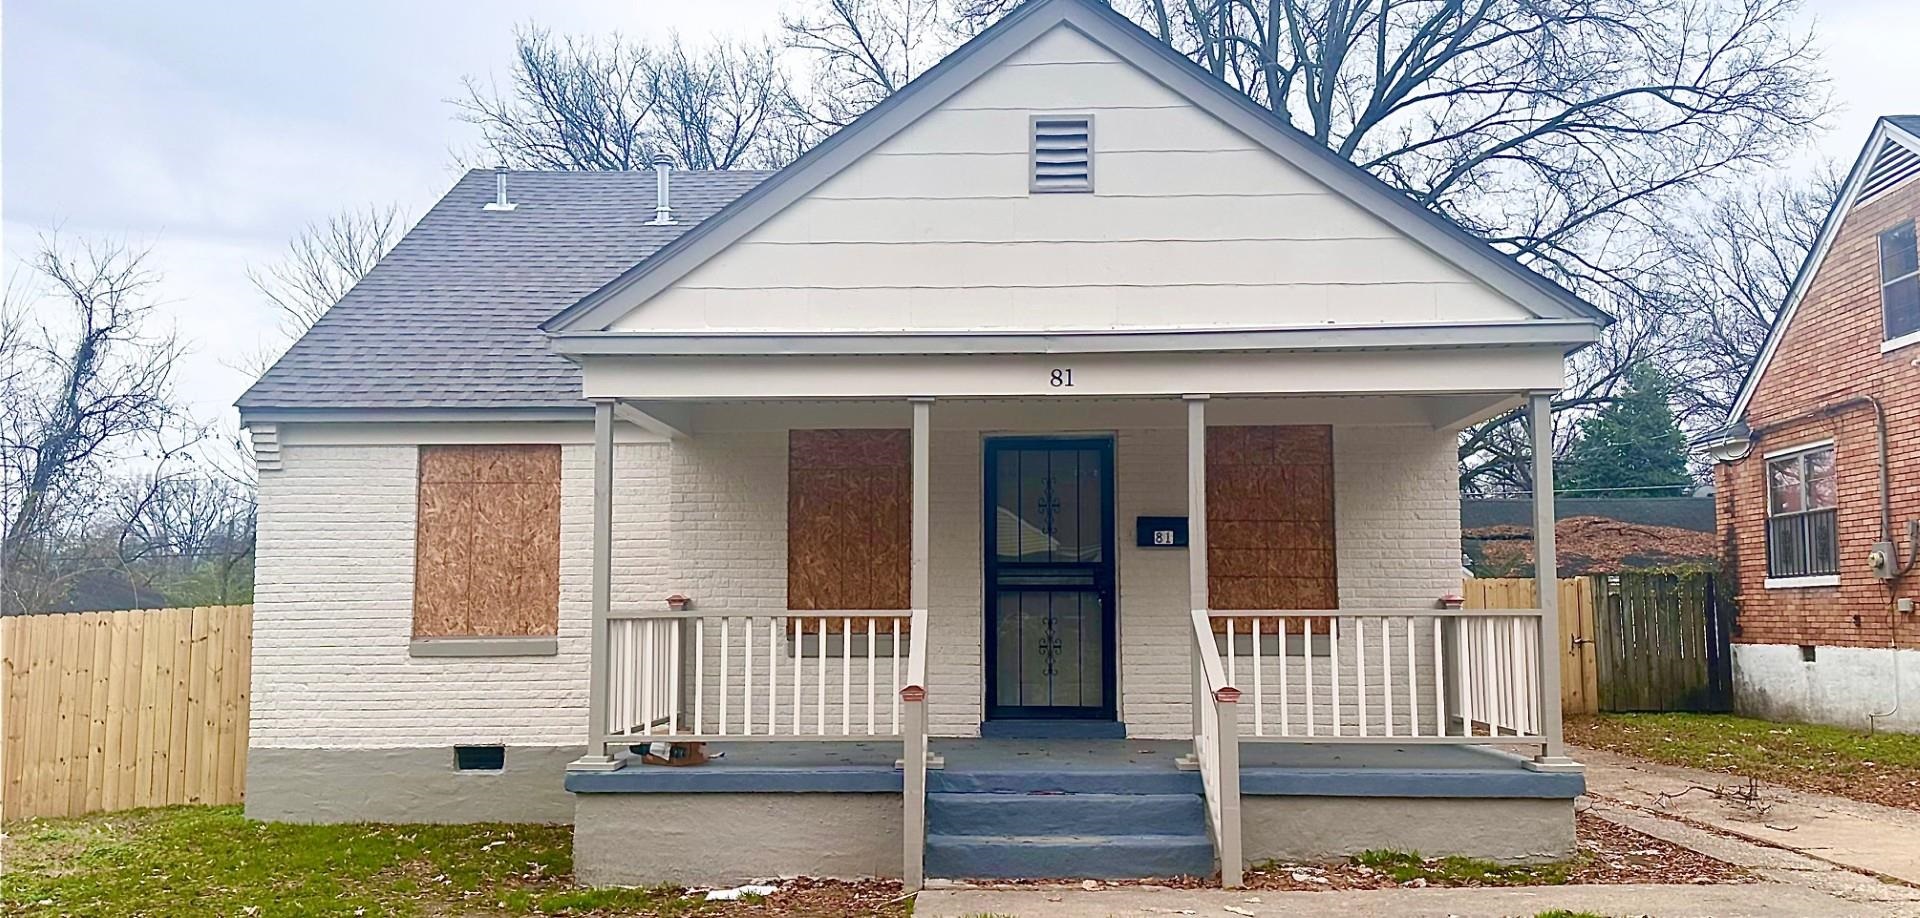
1890	157
935	181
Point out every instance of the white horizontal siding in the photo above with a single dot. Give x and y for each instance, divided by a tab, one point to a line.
1191	223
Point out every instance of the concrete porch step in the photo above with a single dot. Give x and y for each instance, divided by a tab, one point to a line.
1101	857
1066	814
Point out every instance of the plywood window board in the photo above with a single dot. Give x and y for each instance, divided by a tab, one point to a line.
1270	532
849	523
487	542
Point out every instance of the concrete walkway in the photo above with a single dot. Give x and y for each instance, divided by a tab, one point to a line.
1863	836
1759	900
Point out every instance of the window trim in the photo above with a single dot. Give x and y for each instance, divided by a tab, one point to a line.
1766	476
1880	267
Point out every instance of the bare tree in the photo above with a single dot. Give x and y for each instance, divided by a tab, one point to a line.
1725	278
610	104
864	50
721	107
323	262
86	391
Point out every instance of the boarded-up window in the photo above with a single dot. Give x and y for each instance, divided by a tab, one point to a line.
487	542
1270	519
849	520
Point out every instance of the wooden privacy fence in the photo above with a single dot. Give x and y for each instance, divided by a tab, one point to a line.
110	710
1579	674
1632	642
1662	646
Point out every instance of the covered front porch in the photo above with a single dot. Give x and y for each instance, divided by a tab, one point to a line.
1074	607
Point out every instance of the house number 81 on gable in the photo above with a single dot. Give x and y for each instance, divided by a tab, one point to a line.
1061	378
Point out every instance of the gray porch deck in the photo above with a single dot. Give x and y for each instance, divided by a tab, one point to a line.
1036	766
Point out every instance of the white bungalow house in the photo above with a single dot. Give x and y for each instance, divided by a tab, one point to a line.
1051	474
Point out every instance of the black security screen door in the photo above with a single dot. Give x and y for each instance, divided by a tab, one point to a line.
1049	570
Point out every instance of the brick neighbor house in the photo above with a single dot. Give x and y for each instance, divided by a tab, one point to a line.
1819	466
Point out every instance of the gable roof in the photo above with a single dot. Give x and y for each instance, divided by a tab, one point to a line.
1536	293
1902	132
450	318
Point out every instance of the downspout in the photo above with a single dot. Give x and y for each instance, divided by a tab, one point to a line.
1900	568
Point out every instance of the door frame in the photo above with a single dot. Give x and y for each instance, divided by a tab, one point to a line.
1106	578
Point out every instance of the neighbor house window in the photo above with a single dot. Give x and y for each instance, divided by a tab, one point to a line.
1900	281
1802	540
487	542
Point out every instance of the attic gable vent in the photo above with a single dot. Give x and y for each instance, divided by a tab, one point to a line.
1895	163
1062	153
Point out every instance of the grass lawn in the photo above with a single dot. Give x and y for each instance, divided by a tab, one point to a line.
1882	768
213	861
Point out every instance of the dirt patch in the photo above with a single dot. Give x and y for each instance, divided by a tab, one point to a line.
1608	853
810	897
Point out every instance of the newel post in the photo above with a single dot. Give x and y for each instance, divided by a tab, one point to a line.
913	772
1227	729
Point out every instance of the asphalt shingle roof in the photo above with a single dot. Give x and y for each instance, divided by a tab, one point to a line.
450	319
1908	123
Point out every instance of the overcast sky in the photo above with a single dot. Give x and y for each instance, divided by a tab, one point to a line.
212	132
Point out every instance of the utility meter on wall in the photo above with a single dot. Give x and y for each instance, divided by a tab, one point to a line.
1880	560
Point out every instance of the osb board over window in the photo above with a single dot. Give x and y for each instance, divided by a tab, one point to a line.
849	522
1270	522
487	542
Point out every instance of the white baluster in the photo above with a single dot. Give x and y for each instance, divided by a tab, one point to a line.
820	684
646	691
726	661
873	624
894	627
1413	685
699	675
1333	657
799	664
1439	677
1280	656
746	686
846	676
1232	679
673	677
1308	657
1360	671
1386	672
1259	720
773	675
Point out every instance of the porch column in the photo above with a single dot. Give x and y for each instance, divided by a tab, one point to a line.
1197	536
1546	576
596	757
917	589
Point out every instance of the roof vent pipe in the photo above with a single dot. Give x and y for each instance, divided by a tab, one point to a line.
500	201
662	201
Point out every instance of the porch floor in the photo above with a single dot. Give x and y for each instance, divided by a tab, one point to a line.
1094	766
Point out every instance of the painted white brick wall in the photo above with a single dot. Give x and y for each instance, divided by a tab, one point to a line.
336	580
333	607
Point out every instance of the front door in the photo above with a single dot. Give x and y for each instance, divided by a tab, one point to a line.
1049	578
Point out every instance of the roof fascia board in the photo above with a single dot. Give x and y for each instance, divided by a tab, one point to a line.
1568	333
1110	29
410	415
1849	193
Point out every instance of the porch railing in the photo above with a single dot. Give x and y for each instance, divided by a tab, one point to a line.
1460	676
1216	749
801	676
1390	676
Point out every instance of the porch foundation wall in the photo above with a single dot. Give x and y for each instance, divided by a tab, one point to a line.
724	839
406	785
1307	829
